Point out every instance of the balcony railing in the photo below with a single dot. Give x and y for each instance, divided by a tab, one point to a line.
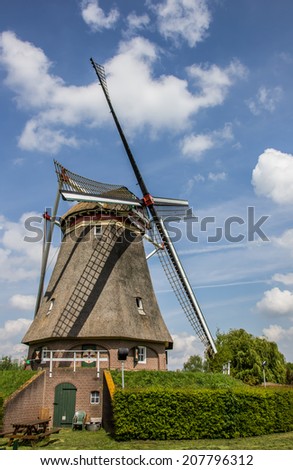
76	357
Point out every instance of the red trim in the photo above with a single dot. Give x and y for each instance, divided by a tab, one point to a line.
46	216
148	200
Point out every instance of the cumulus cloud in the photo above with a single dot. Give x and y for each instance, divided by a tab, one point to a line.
185	345
20	259
272	176
214	81
266	100
285	241
46	96
186	20
23	302
13	328
276	302
194	146
56	108
277	333
95	18
10	337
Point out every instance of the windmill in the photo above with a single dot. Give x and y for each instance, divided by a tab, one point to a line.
168	257
102	254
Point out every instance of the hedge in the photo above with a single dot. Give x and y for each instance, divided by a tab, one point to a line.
199	414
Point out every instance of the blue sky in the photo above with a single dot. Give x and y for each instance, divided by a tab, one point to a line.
203	90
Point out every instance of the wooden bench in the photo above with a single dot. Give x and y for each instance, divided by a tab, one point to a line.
51	431
32	438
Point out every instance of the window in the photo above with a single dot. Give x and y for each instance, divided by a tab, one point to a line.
141	354
51	305
139	305
97	231
95	397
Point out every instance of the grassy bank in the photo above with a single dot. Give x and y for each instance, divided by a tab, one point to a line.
175	380
11	380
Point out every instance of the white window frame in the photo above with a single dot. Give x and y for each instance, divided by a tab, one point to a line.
95	397
139	305
141	354
98	231
51	306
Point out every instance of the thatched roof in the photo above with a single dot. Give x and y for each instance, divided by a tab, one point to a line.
95	286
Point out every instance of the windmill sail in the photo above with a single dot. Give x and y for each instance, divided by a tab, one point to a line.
168	257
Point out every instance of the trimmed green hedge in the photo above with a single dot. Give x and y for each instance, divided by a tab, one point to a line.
199	414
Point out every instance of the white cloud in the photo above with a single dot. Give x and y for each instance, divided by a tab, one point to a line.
185	345
277	333
214	82
265	100
217	176
95	18
23	302
36	137
55	107
20	258
194	146
14	328
136	22
52	103
286	279
276	302
272	176
183	19
285	241
11	335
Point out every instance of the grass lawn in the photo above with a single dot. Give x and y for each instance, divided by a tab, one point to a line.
86	440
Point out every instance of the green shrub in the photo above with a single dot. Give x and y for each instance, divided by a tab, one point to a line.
201	413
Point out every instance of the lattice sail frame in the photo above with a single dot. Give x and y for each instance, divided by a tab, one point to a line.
174	273
72	183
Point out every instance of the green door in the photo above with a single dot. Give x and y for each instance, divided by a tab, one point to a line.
64	404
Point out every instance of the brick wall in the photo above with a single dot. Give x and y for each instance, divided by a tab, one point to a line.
156	357
25	403
39	393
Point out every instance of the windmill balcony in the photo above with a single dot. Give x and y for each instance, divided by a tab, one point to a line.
73	359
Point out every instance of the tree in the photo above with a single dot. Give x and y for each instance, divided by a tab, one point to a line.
194	364
247	354
289	373
6	363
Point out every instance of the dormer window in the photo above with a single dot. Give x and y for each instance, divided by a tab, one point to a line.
97	231
51	305
139	305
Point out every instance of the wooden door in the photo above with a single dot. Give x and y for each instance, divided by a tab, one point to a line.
64	404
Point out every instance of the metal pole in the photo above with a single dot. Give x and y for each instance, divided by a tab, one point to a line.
46	252
122	370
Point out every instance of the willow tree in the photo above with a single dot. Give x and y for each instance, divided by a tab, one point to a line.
249	357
